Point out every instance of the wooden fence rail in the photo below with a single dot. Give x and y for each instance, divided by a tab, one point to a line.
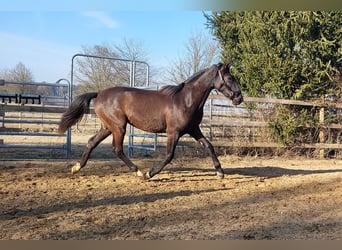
222	120
211	121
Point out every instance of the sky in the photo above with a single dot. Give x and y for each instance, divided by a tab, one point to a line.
45	40
44	34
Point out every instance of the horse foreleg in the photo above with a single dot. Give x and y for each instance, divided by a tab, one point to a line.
102	134
198	136
170	151
209	147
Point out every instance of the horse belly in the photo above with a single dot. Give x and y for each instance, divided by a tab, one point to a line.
148	123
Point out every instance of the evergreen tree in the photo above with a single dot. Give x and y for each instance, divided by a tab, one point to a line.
285	54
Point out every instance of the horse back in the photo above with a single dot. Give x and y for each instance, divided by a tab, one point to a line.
144	109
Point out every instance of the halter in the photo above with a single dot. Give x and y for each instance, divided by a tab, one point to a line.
221	77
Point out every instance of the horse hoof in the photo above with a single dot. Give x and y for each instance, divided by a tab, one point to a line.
147	176
220	174
76	168
139	173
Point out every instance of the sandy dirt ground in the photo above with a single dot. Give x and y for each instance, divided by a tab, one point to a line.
259	198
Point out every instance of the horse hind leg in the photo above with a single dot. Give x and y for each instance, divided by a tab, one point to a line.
118	137
102	134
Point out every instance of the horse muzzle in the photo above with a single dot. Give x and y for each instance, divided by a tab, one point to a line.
237	98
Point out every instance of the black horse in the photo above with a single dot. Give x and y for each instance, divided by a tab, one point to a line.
176	110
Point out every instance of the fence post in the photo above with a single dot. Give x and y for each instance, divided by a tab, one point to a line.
211	118
321	131
2	113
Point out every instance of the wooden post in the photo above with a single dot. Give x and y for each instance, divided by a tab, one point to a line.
211	118
2	113
321	132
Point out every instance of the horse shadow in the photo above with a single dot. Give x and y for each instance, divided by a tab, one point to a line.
273	172
255	171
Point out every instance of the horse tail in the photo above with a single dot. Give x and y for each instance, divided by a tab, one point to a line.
78	107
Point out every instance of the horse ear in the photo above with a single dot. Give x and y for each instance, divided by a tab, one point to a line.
219	65
228	67
224	66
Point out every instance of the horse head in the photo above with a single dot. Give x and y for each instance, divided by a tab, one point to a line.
227	84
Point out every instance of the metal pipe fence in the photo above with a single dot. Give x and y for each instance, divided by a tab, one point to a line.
26	114
132	82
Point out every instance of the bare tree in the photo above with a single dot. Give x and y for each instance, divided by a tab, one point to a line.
19	73
93	74
200	52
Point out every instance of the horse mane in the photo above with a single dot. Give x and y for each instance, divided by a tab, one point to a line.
195	76
171	90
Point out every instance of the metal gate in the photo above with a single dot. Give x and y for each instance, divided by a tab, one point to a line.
28	110
133	133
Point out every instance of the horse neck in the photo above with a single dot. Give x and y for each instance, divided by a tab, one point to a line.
198	92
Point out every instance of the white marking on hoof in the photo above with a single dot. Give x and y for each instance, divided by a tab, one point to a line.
139	173
147	176
219	174
76	168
